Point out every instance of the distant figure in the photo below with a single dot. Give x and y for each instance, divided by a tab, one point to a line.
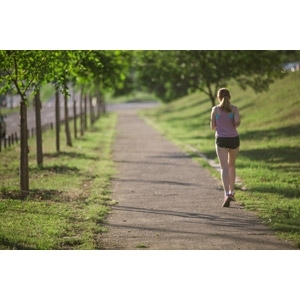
225	118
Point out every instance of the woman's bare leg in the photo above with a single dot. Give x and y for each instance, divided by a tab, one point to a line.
232	155
223	159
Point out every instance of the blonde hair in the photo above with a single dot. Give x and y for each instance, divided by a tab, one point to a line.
224	97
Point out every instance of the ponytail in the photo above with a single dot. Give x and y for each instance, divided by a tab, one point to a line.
224	97
225	104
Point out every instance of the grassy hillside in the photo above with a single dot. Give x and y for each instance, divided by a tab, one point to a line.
269	160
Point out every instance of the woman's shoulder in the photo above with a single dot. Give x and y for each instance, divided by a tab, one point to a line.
233	107
214	110
214	107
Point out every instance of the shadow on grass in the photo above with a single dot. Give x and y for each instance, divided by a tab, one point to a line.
71	155
245	106
34	194
274	155
8	244
287	131
60	169
286	192
278	159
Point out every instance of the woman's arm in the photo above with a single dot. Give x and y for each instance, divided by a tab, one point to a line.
213	124
237	118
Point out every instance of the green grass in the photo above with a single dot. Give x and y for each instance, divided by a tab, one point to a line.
69	196
269	160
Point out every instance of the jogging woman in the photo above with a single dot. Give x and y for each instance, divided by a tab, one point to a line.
225	118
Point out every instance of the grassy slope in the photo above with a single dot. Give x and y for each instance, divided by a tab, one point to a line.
269	161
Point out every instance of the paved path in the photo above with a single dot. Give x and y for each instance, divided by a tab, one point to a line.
167	201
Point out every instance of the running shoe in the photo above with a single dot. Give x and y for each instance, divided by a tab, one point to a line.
232	197
227	200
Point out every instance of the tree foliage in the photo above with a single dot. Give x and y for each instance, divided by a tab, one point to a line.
172	74
24	72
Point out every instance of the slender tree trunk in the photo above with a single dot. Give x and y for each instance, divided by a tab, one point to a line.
212	95
74	113
38	124
98	102
75	118
57	120
67	128
91	110
85	111
94	105
24	169
81	113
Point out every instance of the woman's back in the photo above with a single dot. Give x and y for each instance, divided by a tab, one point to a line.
225	122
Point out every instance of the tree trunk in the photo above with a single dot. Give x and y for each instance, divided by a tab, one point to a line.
91	110
98	102
85	111
213	101
24	169
97	108
67	128
211	95
75	118
81	113
57	120
38	124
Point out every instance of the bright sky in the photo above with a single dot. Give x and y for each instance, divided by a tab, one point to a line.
147	25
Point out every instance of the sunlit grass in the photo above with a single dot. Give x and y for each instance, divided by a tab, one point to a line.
269	161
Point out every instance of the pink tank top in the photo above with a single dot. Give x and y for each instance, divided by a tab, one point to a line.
225	124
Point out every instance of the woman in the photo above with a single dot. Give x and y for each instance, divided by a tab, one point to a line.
225	118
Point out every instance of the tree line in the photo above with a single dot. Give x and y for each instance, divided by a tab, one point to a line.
24	72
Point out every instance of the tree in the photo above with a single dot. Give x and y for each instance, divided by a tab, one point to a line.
59	75
23	72
161	72
175	73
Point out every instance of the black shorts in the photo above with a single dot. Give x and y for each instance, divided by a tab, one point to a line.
228	142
